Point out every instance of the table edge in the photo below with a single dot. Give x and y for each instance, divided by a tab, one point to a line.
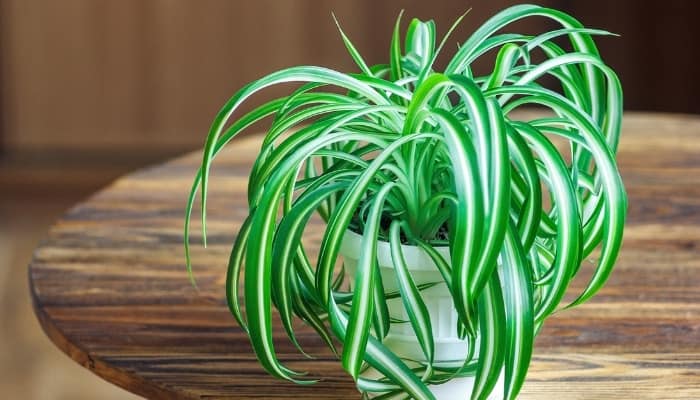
124	379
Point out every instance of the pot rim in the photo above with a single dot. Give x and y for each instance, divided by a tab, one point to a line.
416	258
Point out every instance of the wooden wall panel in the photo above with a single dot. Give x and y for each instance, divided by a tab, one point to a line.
100	74
657	54
104	74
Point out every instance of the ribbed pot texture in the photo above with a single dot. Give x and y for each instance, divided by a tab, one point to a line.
449	348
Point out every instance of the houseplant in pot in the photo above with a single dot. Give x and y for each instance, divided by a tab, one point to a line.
453	227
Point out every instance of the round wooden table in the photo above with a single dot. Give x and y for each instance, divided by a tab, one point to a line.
110	289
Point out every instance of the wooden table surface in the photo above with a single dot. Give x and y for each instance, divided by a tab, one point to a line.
110	290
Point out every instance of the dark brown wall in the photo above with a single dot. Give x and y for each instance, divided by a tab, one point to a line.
96	74
657	53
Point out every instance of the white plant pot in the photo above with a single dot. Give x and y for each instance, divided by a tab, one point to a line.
449	348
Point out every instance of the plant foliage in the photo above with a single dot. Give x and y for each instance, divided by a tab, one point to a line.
403	153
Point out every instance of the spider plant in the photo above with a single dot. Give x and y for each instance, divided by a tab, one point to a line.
412	156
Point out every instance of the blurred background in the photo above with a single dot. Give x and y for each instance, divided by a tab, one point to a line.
92	89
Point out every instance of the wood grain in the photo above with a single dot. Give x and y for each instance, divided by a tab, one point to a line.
110	290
